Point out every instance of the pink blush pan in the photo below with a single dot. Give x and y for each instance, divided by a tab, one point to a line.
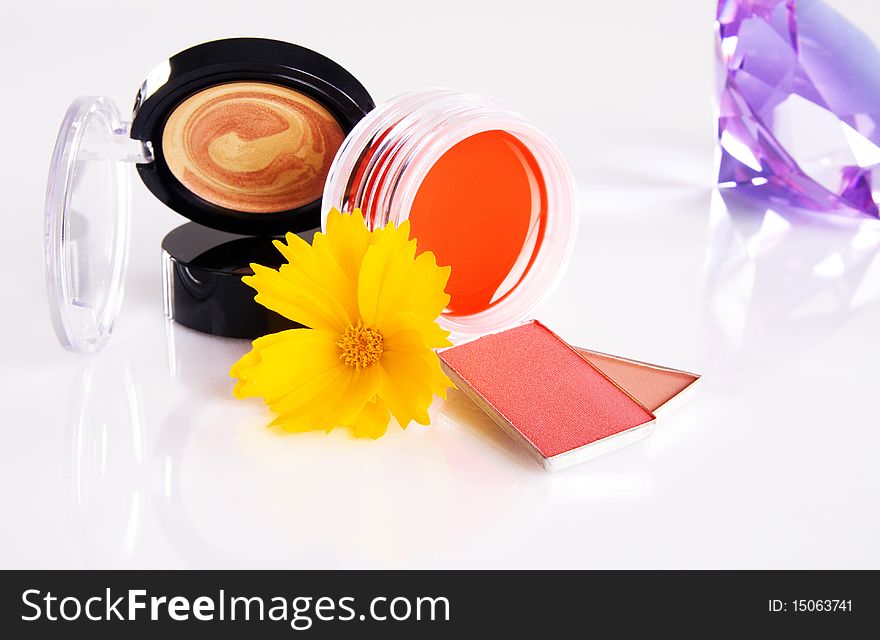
554	402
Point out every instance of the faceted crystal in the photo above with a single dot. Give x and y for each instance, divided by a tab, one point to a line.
799	105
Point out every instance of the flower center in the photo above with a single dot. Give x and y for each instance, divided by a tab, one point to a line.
361	346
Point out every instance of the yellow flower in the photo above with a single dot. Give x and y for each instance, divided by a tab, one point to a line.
371	307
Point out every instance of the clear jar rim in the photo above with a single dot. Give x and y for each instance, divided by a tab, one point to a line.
448	119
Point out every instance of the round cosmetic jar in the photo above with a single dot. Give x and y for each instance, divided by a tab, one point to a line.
238	136
488	193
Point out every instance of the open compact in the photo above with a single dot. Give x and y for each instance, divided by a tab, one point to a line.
238	136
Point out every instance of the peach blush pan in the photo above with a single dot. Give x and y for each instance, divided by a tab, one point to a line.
553	402
660	389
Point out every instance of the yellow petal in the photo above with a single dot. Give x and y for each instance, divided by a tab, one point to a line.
317	404
363	387
411	342
440	382
280	362
394	280
431	333
426	298
332	260
328	401
314	392
347	241
406	386
372	422
252	358
382	275
298	298
318	285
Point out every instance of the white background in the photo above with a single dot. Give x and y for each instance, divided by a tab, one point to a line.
139	457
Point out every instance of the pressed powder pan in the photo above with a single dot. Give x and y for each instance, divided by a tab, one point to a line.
659	389
562	404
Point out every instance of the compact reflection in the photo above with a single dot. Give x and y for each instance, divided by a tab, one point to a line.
126	469
780	279
200	362
198	368
107	457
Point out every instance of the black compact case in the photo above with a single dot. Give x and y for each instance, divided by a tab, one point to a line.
238	60
87	211
203	288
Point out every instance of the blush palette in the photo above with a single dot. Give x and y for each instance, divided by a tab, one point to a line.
563	405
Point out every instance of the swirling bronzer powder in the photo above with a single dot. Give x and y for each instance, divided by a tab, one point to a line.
251	146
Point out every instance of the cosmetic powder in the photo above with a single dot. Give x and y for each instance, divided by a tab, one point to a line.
652	385
481	208
252	147
552	401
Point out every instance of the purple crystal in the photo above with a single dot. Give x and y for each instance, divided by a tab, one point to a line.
799	105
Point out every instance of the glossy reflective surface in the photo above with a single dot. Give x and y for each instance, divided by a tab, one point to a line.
140	457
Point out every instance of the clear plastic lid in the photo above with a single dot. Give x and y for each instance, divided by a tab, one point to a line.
86	222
